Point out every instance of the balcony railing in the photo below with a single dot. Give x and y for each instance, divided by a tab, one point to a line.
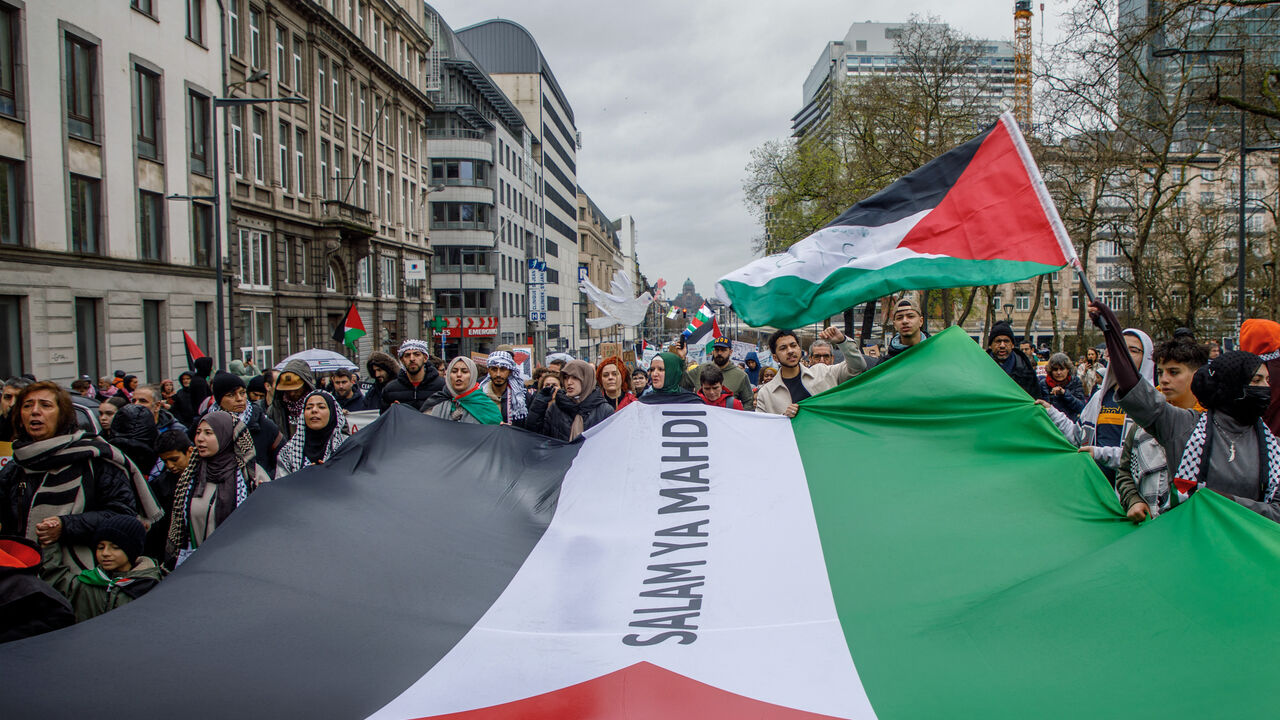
468	225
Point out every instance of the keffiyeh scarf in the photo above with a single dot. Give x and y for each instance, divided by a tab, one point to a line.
1193	470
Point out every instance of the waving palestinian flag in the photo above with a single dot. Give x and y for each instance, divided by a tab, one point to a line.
977	215
919	549
193	350
350	328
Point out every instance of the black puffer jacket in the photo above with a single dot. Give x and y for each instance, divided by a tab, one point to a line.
404	392
133	430
107	492
372	388
555	419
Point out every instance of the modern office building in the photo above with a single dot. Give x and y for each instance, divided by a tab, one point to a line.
512	58
106	109
485	207
869	49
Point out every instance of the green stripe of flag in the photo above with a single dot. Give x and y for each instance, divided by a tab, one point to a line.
991	574
790	301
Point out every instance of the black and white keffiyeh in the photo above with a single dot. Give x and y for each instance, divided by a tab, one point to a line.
1192	471
513	400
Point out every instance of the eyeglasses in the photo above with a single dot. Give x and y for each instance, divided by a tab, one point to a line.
821	356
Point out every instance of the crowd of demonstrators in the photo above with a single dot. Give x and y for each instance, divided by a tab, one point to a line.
101	515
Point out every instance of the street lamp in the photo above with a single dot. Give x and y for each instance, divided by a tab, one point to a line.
1008	312
1169	52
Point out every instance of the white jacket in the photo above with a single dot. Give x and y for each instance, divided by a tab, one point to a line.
773	397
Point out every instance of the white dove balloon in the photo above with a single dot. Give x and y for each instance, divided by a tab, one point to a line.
619	307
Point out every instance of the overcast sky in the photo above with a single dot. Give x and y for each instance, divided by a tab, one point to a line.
672	96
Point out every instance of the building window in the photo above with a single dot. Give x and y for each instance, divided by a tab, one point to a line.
283	134
150	226
152	339
258	334
198	109
255	37
297	65
331	281
364	276
460	172
142	6
9	25
388	276
335	85
202	234
203	313
282	60
1022	302
459	216
300	156
195	21
85	214
235	117
233	26
322	79
259	147
255	260
11	202
146	88
11	336
87	353
324	169
81	73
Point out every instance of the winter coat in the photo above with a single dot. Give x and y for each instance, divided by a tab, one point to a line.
279	410
1070	402
133	431
28	605
753	375
373	389
555	418
166	422
735	382
726	400
402	391
93	592
774	397
1023	373
106	489
1143	474
355	403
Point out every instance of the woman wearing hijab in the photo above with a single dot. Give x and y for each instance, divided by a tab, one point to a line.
564	413
1101	424
324	429
62	483
462	399
614	383
1227	448
218	479
665	373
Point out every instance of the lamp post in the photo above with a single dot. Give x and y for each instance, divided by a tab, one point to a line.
1008	312
1244	153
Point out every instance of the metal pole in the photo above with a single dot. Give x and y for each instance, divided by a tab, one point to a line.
1240	248
218	229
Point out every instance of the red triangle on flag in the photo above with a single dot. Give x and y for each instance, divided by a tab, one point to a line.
193	350
642	690
992	212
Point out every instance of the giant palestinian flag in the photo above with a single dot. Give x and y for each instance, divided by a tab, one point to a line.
919	542
977	215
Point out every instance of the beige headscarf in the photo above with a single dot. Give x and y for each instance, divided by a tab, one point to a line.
471	366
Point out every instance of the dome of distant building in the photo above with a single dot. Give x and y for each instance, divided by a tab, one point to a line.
688	299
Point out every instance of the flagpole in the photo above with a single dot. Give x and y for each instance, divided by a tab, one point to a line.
1088	288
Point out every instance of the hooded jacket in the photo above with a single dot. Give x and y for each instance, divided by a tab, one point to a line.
554	418
373	389
279	410
1262	338
736	382
753	375
133	431
103	593
403	391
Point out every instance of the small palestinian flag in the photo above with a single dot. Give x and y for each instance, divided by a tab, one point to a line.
906	547
671	314
350	328
977	215
193	350
699	326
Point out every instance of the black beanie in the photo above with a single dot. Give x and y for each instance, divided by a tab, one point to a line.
258	384
125	531
225	383
1001	328
204	366
1224	379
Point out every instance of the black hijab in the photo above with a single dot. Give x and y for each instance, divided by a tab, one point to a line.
314	442
1223	385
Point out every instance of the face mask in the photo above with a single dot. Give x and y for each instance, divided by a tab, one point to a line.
1249	408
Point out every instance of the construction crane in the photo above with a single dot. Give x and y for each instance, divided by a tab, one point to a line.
1022	63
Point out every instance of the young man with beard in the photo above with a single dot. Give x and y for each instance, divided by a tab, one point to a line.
511	399
908	323
795	382
382	369
417	381
736	381
345	391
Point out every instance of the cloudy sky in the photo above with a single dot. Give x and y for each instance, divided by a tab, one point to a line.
672	96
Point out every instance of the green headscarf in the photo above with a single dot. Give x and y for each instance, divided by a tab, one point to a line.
673	373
